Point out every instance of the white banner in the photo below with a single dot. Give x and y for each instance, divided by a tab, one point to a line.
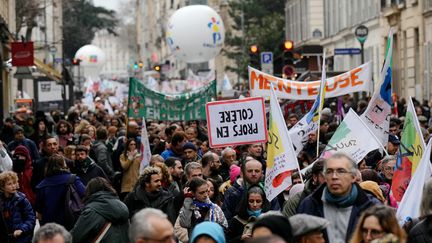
355	80
233	122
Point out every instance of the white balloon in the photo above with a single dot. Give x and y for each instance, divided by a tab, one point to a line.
195	33
90	56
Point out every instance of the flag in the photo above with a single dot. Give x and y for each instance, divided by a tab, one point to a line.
310	122
377	114
352	137
281	157
410	152
340	110
409	207
145	147
226	84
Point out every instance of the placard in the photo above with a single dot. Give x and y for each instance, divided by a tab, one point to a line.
234	122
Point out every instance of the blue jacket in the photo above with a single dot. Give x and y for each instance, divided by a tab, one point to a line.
313	205
50	195
19	215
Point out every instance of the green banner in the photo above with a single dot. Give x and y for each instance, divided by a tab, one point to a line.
144	102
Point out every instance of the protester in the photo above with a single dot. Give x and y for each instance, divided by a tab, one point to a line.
197	207
50	147
207	232
104	217
17	211
374	223
175	169
273	225
150	225
130	161
52	232
50	192
307	228
211	165
252	205
20	139
22	165
85	167
148	193
339	200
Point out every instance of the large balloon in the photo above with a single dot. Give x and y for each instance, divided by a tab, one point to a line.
91	56
195	33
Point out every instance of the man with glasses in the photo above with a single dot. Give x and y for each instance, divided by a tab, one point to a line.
340	199
151	226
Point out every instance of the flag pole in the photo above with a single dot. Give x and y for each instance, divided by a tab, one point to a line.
321	102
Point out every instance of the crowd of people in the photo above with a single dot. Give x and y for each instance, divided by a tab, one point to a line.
79	178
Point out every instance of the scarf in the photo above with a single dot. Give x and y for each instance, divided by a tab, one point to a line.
342	202
205	206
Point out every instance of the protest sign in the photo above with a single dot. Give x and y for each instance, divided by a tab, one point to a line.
281	157
355	80
234	122
144	102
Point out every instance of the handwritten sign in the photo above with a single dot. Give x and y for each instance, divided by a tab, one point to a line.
234	122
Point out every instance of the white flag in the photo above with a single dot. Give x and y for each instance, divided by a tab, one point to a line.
352	137
409	207
226	85
145	147
281	157
377	114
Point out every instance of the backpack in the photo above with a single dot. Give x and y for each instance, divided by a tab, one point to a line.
73	204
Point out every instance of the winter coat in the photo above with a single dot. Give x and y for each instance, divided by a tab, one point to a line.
313	205
18	215
50	194
421	232
103	157
162	200
189	215
181	233
130	167
232	197
102	207
87	173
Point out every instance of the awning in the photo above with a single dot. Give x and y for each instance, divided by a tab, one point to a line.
48	71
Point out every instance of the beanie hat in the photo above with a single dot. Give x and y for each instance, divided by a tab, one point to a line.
17	129
234	172
189	145
303	224
373	187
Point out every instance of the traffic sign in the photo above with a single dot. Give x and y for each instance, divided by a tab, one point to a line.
347	51
361	32
267	57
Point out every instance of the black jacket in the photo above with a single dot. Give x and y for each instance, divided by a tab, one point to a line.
421	232
103	157
139	199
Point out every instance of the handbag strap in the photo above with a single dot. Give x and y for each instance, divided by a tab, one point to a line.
102	232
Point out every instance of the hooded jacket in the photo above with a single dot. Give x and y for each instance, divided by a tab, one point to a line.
102	207
25	176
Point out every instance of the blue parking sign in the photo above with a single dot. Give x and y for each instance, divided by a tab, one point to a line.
267	57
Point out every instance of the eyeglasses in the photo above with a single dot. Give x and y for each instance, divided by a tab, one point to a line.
338	172
373	232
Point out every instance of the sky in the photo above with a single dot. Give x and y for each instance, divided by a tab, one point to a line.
109	4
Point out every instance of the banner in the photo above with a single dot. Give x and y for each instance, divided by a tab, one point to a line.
150	104
409	207
410	151
352	137
144	148
377	114
281	158
355	80
234	122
